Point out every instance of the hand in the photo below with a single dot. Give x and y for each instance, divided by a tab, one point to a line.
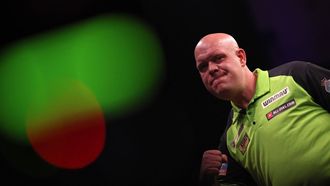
211	163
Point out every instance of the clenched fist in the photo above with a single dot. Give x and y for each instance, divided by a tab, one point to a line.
211	163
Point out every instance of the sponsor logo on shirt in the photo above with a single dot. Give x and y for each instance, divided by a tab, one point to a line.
244	144
270	115
326	83
275	97
236	138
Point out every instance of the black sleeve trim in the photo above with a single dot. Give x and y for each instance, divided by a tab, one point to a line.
309	76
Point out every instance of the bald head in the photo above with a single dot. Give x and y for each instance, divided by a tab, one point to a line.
217	40
222	67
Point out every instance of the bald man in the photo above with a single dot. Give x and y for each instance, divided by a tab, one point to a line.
278	130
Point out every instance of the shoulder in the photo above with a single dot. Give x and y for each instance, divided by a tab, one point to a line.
293	68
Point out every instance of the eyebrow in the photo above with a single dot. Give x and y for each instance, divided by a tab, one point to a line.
210	56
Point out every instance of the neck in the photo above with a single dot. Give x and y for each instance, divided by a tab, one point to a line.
243	99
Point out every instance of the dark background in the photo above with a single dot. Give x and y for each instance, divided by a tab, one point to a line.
163	143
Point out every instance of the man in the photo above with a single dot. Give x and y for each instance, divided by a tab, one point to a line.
278	130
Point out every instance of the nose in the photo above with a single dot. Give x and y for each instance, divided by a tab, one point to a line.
213	68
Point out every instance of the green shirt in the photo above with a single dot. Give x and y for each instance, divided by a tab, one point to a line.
283	137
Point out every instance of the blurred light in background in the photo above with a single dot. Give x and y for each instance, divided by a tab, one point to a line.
67	129
57	87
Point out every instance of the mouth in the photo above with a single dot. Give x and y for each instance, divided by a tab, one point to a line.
214	81
215	84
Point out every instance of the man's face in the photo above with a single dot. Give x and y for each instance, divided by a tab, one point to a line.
220	69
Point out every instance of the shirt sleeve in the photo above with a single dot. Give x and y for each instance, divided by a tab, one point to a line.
235	172
315	80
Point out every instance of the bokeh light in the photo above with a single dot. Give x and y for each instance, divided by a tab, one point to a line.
68	128
56	87
121	60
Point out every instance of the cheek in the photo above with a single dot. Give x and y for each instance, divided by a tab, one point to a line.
206	84
204	78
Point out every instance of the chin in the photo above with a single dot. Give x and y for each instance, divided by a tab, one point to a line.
225	98
223	94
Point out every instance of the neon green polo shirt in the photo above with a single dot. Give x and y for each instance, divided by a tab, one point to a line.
283	137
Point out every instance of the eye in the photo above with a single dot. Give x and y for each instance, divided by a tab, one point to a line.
218	58
202	67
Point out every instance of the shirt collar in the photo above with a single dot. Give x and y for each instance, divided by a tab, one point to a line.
262	87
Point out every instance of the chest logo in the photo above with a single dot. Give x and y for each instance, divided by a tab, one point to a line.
236	138
244	144
270	115
277	96
326	83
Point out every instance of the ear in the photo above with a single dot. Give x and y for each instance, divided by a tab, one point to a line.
242	56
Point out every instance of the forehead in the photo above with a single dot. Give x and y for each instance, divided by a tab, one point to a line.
204	53
211	43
